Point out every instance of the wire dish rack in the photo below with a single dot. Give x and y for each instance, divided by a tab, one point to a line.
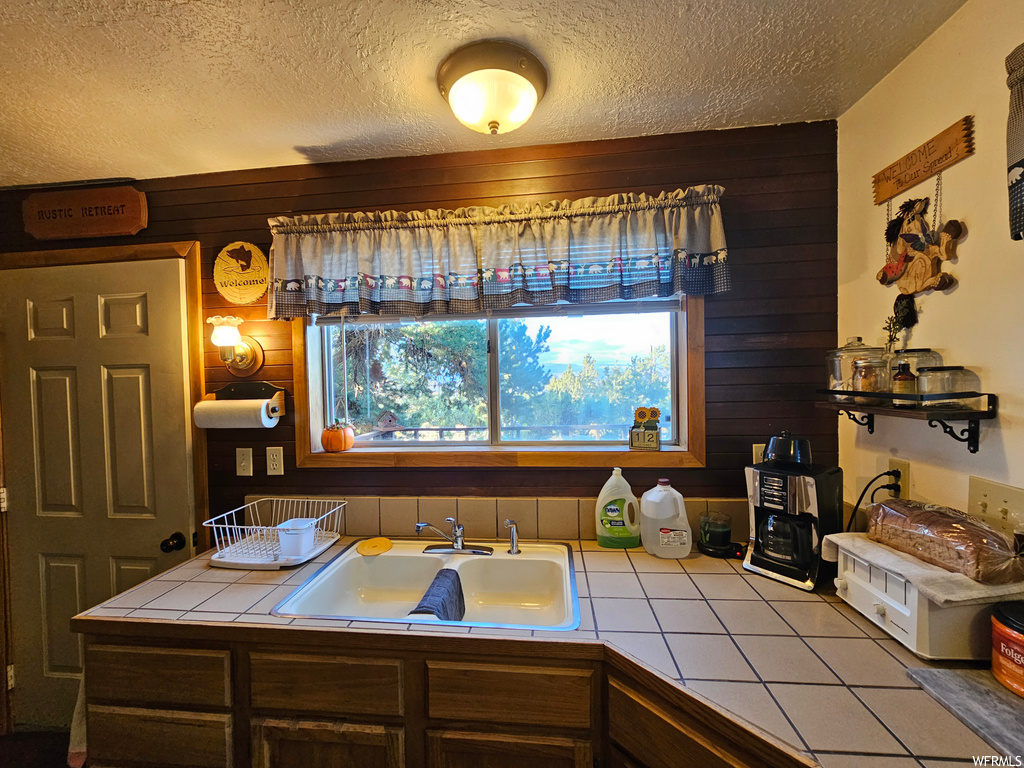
256	544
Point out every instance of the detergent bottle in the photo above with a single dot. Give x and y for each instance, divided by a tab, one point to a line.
664	529
618	514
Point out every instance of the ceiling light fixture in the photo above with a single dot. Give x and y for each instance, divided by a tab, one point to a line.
492	86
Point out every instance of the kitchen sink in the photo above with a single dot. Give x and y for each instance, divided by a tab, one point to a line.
535	589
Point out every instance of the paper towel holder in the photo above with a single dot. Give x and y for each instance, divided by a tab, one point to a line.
241	355
252	390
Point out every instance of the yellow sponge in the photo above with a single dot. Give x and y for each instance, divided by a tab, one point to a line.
374	546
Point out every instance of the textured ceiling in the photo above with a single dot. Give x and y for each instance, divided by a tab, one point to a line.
150	88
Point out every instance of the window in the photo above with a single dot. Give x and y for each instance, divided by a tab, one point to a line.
491	421
531	378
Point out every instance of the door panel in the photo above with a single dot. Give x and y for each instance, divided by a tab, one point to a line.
56	440
129	443
97	440
62	593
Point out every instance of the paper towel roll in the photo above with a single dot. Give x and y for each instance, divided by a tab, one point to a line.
234	414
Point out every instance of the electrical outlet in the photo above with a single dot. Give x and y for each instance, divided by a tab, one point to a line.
904	468
758	452
1001	506
243	462
275	461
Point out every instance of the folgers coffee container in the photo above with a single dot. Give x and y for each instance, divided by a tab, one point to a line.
1008	645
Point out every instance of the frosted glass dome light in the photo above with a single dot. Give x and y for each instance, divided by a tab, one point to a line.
492	86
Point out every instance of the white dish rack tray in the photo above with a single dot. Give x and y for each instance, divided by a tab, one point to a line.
249	537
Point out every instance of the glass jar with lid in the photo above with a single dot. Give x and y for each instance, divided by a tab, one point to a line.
943	379
840	364
870	375
917	358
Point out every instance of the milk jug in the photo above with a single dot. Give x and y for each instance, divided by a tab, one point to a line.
664	529
618	516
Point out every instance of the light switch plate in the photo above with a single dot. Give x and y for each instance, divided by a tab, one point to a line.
1001	506
243	462
275	461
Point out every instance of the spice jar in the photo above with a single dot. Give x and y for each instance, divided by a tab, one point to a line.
869	376
904	383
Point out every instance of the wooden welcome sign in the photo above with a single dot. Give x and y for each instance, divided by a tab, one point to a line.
949	147
103	212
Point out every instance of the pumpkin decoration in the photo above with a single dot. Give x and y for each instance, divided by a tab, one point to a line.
339	436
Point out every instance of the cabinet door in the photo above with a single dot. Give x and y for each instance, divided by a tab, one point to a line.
280	743
464	749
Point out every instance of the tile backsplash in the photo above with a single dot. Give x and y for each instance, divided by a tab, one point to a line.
484	516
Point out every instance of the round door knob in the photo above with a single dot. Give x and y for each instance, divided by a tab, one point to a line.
879	609
173	542
840	583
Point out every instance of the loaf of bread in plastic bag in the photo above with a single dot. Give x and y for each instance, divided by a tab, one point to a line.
948	538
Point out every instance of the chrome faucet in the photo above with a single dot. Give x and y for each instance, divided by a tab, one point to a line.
457	536
513	537
456	541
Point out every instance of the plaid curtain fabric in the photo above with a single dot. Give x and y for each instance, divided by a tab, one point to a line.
416	263
1015	141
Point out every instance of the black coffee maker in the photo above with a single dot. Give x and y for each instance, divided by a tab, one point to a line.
793	504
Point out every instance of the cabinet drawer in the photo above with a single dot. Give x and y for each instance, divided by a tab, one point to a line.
497	693
142	736
330	685
159	676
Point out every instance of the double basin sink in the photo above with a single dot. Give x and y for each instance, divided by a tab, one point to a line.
534	589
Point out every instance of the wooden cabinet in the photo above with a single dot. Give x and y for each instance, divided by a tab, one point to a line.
166	706
218	697
680	731
139	736
288	743
468	749
165	677
506	693
328	685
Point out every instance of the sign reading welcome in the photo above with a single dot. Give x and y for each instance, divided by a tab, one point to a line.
104	212
241	273
938	153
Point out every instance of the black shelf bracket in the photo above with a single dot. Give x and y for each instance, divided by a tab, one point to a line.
868	420
968	434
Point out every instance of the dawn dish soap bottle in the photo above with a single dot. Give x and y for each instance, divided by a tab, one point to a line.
663	525
618	514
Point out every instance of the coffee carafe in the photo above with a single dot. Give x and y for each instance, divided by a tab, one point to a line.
793	503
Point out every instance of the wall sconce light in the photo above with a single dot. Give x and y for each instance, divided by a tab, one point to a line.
242	355
492	86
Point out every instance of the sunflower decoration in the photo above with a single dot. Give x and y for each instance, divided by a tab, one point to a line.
646	418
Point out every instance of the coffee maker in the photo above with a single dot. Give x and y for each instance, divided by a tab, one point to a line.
793	504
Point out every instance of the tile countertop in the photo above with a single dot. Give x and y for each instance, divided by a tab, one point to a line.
803	666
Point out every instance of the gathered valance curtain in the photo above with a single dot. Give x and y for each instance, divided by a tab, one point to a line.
470	260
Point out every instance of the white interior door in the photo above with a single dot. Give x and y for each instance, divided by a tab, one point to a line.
97	442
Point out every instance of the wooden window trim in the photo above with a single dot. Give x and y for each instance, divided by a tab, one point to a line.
306	356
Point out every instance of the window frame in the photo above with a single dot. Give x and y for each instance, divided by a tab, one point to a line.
307	354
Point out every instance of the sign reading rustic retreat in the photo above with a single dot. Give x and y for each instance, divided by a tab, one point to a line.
938	153
241	273
68	214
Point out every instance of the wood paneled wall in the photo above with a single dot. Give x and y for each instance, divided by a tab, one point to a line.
766	339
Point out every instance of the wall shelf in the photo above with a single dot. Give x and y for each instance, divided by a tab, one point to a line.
921	407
